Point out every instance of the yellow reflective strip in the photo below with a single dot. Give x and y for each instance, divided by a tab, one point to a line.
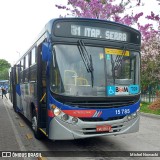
43	97
43	131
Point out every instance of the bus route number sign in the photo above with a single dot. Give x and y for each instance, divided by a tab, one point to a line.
97	32
134	89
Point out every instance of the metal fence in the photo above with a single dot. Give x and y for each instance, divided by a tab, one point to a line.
150	94
149	97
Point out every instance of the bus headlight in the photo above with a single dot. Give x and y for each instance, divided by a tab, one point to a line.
62	115
129	117
65	117
132	116
74	120
57	111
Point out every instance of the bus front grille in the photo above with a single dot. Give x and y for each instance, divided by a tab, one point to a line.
101	105
97	119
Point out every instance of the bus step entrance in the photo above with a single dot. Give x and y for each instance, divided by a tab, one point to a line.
43	130
43	116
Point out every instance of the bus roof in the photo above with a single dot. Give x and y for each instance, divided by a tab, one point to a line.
48	26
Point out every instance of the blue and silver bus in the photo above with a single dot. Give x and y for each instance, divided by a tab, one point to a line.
79	79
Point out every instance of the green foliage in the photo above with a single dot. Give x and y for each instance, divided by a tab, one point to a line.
146	109
4	64
148	74
4	67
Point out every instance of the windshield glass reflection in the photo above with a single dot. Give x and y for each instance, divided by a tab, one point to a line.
70	77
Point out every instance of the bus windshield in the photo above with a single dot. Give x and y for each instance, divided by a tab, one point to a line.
69	75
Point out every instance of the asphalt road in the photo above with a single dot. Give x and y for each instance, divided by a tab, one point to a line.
16	135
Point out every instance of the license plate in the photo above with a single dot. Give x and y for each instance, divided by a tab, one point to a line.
104	128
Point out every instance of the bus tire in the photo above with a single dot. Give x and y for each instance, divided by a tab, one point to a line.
15	108
37	133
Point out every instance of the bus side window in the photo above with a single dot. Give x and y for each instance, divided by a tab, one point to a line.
33	73
55	77
33	65
33	56
26	71
21	70
26	61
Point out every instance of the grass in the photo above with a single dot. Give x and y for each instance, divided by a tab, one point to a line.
144	108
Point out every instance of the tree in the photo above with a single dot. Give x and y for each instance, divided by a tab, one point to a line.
103	9
4	66
150	68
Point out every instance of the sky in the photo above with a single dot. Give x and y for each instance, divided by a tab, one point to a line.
22	20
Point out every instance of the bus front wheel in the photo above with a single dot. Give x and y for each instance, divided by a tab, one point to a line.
37	133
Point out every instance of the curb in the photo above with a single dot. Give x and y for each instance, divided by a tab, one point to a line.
150	115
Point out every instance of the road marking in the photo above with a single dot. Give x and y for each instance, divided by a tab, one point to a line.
41	158
21	124
29	136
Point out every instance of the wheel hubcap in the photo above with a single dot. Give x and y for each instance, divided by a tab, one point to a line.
34	123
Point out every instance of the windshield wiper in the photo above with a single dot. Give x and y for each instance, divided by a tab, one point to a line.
117	63
87	59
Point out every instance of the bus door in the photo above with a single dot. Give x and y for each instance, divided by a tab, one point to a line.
43	99
15	77
41	91
10	86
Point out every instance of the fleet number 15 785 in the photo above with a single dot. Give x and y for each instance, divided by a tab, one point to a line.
122	111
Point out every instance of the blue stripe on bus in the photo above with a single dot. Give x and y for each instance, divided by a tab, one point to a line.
18	89
106	113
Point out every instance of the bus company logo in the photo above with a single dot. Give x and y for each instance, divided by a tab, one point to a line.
121	90
97	114
80	113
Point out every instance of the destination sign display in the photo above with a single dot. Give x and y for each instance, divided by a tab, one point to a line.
93	30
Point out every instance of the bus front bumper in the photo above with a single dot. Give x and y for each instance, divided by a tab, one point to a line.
60	130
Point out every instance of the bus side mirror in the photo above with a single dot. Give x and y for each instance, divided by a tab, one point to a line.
45	51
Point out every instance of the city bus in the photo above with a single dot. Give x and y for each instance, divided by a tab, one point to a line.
4	84
79	79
